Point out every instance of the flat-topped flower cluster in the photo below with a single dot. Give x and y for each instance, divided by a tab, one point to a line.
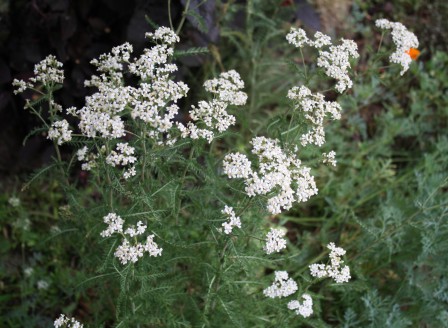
66	322
278	172
130	249
404	40
333	270
333	59
211	117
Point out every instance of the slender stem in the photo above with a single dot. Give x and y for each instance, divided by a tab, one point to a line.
304	66
35	112
182	181
184	16
169	15
381	41
144	151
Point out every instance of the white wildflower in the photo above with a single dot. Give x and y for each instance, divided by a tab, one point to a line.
334	270
329	158
43	284
232	220
127	252
297	37
115	223
209	117
14	201
48	71
28	271
81	153
305	309
335	60
404	41
135	231
21	86
129	173
60	131
336	63
275	241
67	322
321	40
237	166
282	286
123	156
315	109
164	34
277	171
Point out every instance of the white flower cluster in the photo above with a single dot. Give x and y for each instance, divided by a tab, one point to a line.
277	171
64	321
335	60
213	114
404	41
128	252
232	220
316	109
153	101
334	270
123	156
164	34
329	158
14	201
87	158
275	241
46	72
283	286
305	309
60	131
43	284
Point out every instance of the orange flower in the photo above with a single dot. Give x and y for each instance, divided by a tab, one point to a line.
413	53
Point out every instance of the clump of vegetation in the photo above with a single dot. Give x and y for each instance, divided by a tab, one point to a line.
307	184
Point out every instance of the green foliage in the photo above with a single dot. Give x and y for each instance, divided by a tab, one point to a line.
385	203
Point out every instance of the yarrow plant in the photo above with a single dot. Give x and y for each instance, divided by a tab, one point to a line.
151	165
406	43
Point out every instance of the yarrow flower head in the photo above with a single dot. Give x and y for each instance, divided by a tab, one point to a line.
128	252
305	309
329	158
334	59
46	72
122	157
67	322
315	109
275	241
283	286
333	270
210	117
60	132
14	201
232	220
277	171
164	34
405	41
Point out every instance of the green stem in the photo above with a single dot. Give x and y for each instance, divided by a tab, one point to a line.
184	16
169	15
